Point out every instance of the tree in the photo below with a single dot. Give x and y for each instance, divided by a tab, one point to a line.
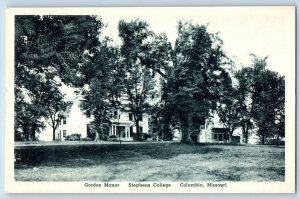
145	55
161	122
248	88
229	110
102	91
49	48
28	121
262	101
55	46
269	111
193	84
57	106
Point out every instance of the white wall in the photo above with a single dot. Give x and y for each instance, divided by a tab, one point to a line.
76	122
46	134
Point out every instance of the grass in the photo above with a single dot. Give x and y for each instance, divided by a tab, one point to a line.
149	162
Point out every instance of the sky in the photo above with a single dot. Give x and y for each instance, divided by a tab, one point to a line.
263	31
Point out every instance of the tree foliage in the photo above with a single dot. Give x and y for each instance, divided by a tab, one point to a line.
102	91
144	54
269	111
49	50
57	107
195	81
230	109
261	102
180	86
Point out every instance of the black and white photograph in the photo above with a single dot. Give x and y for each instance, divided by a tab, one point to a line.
157	99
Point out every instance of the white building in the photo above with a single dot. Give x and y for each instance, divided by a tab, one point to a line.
122	124
213	131
75	122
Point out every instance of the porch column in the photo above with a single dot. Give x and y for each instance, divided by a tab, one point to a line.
111	129
127	132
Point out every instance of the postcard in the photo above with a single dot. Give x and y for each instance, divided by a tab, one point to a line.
150	100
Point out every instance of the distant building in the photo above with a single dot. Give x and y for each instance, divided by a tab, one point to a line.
121	125
75	122
214	131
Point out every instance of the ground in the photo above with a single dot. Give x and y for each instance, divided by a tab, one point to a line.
150	161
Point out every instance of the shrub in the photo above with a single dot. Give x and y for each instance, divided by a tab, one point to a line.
86	139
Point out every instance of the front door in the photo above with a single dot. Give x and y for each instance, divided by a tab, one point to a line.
120	131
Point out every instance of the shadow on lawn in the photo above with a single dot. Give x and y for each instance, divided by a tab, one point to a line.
89	155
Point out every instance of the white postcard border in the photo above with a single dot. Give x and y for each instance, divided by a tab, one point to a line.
13	186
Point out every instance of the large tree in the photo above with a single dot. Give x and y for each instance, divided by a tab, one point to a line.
103	86
57	107
50	48
144	54
249	87
269	111
28	118
261	101
193	84
229	110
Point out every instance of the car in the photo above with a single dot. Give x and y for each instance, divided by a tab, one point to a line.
73	137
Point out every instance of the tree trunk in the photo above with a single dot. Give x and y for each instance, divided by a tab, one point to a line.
53	133
96	136
229	137
263	140
246	139
26	136
186	136
246	134
26	132
33	135
137	126
98	129
277	140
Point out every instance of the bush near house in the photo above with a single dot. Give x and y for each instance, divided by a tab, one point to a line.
112	138
86	139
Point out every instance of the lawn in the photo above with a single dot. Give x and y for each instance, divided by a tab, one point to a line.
149	162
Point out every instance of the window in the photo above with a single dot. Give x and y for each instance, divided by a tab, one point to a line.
141	118
64	133
220	137
141	129
130	116
64	120
215	136
202	126
115	114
